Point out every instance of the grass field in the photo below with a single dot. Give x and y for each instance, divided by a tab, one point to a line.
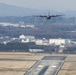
69	67
12	63
17	63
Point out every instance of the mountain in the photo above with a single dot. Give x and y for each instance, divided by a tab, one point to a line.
12	10
70	13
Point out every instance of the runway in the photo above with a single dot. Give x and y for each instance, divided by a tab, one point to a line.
49	65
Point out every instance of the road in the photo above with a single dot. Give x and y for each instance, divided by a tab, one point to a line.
49	65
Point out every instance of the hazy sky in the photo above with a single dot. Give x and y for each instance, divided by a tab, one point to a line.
59	5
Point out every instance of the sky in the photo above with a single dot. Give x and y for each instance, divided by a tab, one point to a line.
57	5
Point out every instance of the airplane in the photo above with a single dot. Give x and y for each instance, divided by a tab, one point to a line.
48	16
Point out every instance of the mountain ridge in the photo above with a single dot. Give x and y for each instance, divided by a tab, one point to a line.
12	10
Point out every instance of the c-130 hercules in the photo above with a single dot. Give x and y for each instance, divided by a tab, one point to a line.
48	16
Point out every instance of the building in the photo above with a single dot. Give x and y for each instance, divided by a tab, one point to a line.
36	50
42	42
30	26
22	37
25	39
59	41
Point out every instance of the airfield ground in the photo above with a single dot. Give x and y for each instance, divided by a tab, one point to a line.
69	67
12	63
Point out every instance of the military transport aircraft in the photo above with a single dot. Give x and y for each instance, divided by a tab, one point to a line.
48	16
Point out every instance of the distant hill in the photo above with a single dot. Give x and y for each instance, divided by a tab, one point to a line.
12	10
70	13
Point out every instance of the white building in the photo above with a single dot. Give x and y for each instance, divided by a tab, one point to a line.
25	39
36	50
22	37
30	26
59	41
41	42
